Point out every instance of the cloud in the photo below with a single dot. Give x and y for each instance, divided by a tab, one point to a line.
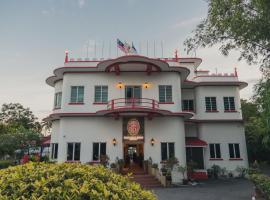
81	3
187	22
48	12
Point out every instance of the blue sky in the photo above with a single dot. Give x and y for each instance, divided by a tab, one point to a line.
34	35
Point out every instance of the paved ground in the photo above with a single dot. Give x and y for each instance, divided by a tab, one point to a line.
231	189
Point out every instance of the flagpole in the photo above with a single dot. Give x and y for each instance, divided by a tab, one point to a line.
161	48
110	49
102	49
154	48
147	48
95	48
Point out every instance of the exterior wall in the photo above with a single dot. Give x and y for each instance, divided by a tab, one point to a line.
224	133
90	80
169	129
219	92
191	130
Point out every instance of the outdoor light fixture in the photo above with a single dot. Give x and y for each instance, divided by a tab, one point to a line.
114	141
120	85
146	85
152	141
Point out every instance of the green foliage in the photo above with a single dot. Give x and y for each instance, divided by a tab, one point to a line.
67	181
155	165
6	163
236	25
262	182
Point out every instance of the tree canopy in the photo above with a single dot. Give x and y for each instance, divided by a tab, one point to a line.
239	25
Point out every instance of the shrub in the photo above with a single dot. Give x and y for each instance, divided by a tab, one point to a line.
6	163
155	165
262	182
67	181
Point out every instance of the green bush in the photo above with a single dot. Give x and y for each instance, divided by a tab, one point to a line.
67	181
6	163
262	182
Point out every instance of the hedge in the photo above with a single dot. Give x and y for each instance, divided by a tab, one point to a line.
262	182
6	163
67	181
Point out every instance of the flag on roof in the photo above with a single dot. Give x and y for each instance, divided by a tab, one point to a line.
121	46
127	47
133	49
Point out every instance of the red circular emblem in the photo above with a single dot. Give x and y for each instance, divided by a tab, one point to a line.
133	127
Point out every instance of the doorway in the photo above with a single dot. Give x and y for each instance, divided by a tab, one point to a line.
133	93
133	154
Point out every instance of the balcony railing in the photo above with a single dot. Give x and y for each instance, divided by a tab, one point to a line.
133	103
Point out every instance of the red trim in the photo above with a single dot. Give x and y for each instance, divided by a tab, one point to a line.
216	75
230	111
198	175
232	159
75	103
196	142
100	103
216	159
202	70
211	111
188	110
165	102
214	120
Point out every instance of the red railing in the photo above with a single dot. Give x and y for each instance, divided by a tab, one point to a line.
133	103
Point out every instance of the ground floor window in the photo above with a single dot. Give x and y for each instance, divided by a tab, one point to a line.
195	154
73	151
99	149
54	152
215	151
167	150
234	150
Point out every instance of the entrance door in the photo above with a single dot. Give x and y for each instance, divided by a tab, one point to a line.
133	154
195	154
133	94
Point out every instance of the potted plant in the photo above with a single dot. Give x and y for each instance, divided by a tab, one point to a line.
183	170
113	167
154	169
191	166
163	170
241	171
223	172
120	163
104	160
210	173
216	171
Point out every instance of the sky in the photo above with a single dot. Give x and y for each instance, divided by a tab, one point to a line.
34	35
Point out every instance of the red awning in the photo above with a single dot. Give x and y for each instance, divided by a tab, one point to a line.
195	142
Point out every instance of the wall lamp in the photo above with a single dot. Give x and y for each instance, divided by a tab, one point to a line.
146	85
114	141
152	141
120	85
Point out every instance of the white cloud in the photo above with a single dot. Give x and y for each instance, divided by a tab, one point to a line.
187	22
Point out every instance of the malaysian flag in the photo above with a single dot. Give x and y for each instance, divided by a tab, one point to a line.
122	46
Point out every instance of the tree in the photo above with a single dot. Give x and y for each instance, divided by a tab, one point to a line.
14	114
239	25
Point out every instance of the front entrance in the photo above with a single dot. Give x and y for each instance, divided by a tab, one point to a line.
133	154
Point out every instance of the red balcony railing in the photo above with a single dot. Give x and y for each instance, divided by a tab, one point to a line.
133	103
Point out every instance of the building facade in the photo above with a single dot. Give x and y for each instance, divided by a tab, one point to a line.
135	108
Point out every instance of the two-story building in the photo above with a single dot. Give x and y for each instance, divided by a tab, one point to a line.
134	107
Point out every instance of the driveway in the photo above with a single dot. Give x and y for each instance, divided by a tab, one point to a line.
230	189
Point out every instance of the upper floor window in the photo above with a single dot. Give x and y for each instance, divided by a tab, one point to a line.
167	150
188	105
54	152
229	104
165	93
215	151
77	94
234	150
101	94
210	104
99	149
57	100
73	151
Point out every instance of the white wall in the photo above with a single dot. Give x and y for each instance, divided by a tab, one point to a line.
219	92
224	133
165	129
110	79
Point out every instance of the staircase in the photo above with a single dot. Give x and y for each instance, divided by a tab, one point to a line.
145	180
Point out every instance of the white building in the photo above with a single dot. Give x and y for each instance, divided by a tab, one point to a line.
143	107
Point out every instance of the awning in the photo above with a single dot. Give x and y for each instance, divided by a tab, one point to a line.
195	142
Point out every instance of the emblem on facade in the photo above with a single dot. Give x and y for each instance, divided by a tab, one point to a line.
133	127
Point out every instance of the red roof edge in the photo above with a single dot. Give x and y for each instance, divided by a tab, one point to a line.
195	142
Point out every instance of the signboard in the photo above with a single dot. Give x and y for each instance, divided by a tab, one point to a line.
133	128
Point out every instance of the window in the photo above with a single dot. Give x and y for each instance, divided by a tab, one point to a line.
77	94
234	150
101	94
187	105
73	151
57	100
167	150
215	151
54	152
210	104
99	149
165	93
229	104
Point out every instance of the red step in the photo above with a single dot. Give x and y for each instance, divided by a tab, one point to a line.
146	181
